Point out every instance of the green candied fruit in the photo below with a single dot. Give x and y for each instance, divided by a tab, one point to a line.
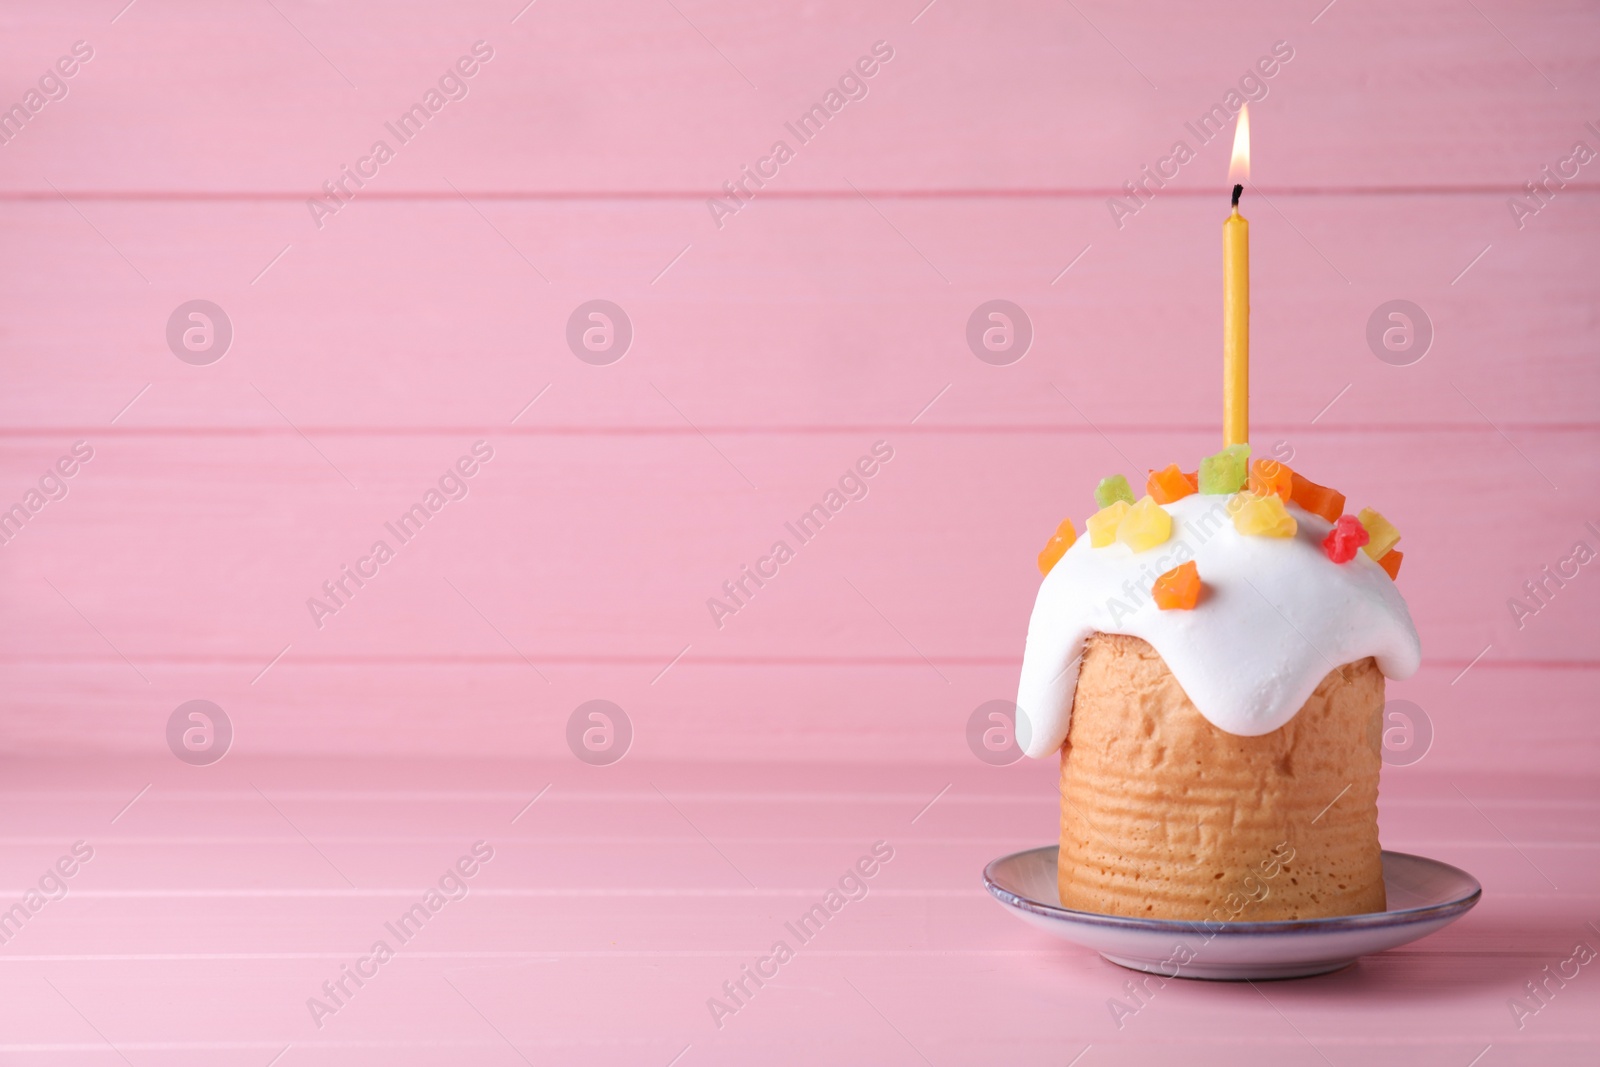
1112	489
1225	472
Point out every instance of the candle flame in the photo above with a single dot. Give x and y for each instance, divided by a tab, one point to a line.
1239	166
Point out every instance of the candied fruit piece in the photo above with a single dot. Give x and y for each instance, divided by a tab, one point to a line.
1112	489
1226	471
1391	563
1268	476
1103	523
1178	589
1168	485
1145	525
1317	499
1057	546
1193	477
1346	536
1262	516
1384	535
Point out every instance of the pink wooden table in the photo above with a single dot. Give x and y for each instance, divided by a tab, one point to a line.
164	152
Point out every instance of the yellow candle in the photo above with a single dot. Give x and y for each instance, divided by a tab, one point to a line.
1235	329
1236	299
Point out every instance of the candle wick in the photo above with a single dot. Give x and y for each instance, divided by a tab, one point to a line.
1237	189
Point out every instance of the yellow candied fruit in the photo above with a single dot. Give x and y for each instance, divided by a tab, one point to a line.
1380	530
1103	523
1145	525
1262	516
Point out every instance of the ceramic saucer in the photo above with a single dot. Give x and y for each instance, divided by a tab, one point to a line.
1423	896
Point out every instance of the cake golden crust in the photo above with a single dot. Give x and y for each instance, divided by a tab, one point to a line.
1165	816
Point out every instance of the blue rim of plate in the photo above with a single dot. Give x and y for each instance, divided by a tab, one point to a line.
1367	920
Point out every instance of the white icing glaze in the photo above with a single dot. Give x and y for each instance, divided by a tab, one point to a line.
1275	617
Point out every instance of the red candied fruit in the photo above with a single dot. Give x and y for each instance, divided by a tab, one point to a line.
1345	539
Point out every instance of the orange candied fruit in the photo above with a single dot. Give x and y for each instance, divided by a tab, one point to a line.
1168	485
1178	589
1390	562
1059	542
1268	476
1317	499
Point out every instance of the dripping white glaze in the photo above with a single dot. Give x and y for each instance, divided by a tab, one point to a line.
1276	615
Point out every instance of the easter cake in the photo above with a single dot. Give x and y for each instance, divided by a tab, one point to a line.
1209	662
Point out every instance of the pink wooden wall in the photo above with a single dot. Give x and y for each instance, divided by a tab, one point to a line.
768	355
